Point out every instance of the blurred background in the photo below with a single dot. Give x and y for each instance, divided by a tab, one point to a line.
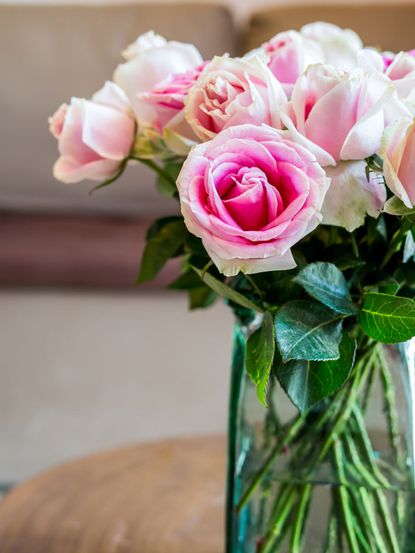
87	360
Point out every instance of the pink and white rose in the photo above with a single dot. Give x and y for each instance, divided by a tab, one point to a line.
340	47
94	136
150	60
398	154
401	71
250	194
289	54
233	91
352	195
340	115
163	106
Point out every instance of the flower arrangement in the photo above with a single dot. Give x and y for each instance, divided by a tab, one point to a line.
294	167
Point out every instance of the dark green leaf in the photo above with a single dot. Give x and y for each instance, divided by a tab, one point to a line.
260	350
325	283
308	330
187	281
201	297
387	318
308	382
225	291
166	183
155	227
163	245
348	261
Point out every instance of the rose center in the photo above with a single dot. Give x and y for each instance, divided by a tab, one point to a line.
250	199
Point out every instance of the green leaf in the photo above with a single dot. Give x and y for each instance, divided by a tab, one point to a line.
308	382
324	282
155	227
388	319
201	297
308	330
166	182
395	206
187	281
225	291
163	244
260	349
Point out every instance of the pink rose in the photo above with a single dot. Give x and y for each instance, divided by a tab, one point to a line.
150	60
290	53
401	71
94	136
341	116
388	57
146	41
398	154
233	92
163	106
352	195
340	47
250	194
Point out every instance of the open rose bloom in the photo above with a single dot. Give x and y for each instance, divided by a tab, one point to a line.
271	145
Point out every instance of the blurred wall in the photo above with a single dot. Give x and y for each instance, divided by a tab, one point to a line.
83	371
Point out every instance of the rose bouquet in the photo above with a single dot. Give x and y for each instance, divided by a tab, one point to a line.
294	167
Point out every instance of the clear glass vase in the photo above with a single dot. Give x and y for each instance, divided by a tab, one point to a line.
338	479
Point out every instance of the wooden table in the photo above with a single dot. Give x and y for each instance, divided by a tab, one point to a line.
164	497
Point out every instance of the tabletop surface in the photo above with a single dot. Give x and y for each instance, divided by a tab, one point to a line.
162	497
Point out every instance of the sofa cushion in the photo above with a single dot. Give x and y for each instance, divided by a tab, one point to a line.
389	26
50	52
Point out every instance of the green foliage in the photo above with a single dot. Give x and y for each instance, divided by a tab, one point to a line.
188	280
165	239
308	330
326	283
166	181
225	291
201	297
395	206
308	382
386	318
260	350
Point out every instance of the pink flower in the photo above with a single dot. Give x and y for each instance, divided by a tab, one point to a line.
150	60
340	47
398	154
290	53
94	136
352	195
401	71
163	105
387	58
341	116
233	92
250	194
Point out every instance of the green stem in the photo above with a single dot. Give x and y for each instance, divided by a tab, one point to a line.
344	501
290	435
300	519
332	533
391	410
155	167
276	529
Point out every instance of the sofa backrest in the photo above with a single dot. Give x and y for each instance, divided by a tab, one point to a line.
50	52
390	26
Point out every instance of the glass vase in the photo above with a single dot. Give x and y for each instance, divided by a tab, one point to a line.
337	479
